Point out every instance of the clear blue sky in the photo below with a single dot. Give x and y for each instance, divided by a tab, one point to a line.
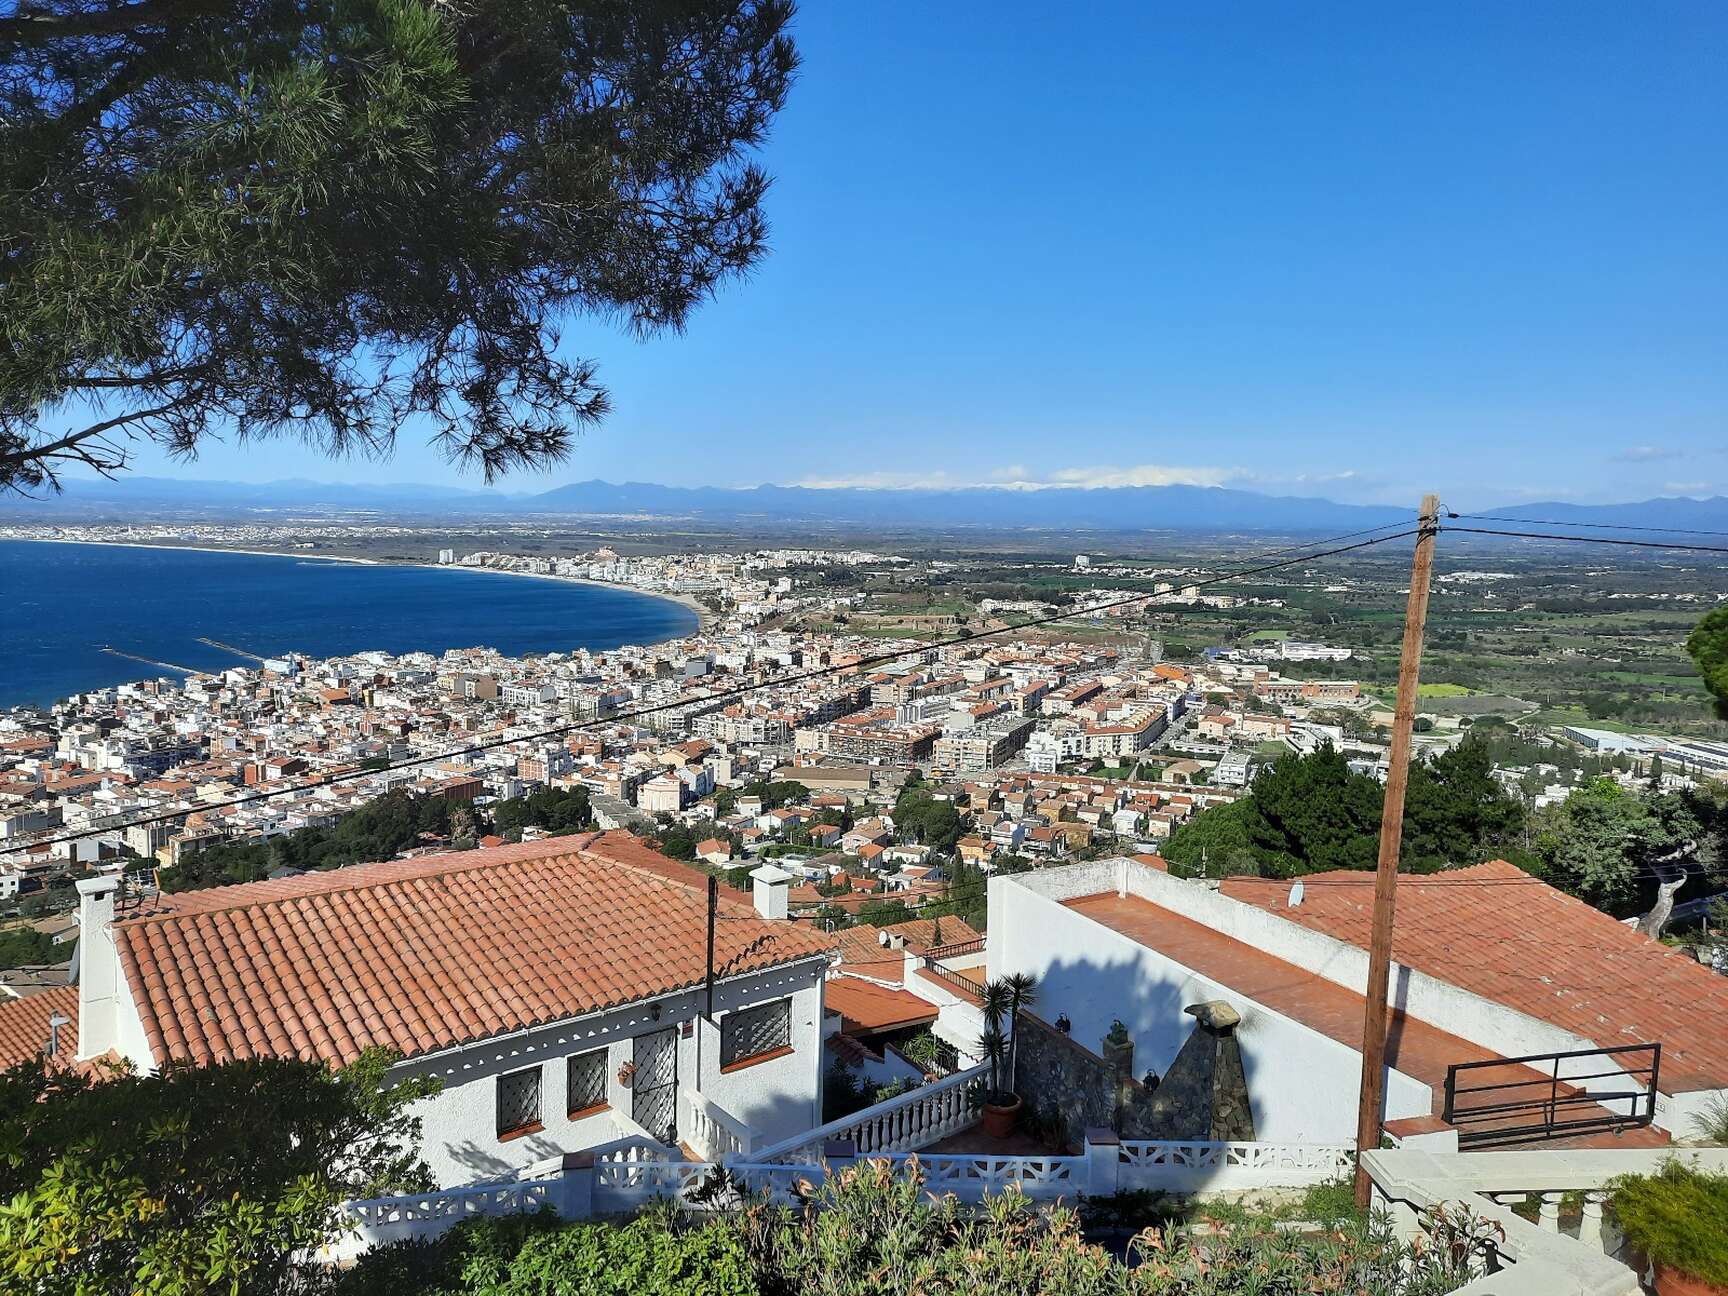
1352	249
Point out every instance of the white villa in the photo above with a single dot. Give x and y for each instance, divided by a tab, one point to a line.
1492	970
557	988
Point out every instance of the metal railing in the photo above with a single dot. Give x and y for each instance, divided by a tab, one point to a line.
1557	1105
957	949
958	982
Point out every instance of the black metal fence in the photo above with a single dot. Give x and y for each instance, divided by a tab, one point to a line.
1533	1108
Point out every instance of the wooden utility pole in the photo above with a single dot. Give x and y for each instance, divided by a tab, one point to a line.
1391	834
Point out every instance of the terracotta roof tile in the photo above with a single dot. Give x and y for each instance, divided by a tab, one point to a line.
419	955
24	1025
865	1007
1535	949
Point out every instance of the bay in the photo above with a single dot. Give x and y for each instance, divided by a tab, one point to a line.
61	603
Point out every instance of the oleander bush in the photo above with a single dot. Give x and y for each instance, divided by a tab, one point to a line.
1677	1217
877	1230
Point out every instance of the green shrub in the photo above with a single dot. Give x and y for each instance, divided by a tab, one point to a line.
1329	1202
1677	1217
1712	1123
877	1229
537	1255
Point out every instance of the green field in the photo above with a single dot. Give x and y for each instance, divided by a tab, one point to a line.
1443	690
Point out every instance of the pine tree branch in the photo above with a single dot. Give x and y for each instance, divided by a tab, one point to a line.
39	27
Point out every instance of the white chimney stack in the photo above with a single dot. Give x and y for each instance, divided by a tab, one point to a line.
98	965
770	887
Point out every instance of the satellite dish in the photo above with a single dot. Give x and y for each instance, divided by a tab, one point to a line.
1295	895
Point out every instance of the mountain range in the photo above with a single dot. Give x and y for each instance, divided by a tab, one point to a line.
1127	508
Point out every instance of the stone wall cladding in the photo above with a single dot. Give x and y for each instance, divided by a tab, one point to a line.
1066	1085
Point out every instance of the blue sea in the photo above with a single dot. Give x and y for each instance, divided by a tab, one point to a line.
60	604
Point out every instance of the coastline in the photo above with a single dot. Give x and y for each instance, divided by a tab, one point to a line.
704	615
216	549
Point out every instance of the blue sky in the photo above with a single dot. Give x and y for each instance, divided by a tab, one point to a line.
1351	249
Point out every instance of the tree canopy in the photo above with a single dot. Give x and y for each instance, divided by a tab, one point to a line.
1708	647
331	219
1598	843
1309	813
197	1179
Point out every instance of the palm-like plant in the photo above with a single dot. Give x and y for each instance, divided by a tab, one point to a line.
1003	998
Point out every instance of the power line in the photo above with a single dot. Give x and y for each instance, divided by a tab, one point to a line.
1602	540
1587	526
724	695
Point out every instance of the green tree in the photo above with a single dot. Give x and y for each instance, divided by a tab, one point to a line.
1311	813
1215	843
921	817
1595	843
195	1180
1456	813
1308	813
1707	645
25	945
327	219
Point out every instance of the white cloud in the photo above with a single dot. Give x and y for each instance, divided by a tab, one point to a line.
1696	489
937	480
1140	475
1648	454
1019	477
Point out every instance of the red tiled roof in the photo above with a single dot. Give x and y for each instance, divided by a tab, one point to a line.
424	954
867	1008
861	950
24	1025
1535	949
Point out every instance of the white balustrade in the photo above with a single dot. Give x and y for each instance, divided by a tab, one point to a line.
624	1186
712	1132
427	1215
911	1121
1570	1248
1192	1166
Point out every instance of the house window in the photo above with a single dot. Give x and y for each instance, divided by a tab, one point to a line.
519	1102
586	1073
752	1033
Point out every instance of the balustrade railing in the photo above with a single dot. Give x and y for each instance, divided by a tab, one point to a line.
1191	1166
911	1121
1551	1209
712	1132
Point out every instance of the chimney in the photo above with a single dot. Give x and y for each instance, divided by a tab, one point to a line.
98	967
770	886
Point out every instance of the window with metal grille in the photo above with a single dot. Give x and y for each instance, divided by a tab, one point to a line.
751	1032
518	1100
587	1080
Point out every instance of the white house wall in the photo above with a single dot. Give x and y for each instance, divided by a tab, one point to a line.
1302	1084
776	1098
1440	1004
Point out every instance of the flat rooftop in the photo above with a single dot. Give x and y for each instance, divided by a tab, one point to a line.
1418	1050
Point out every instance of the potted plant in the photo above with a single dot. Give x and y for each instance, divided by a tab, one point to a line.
1674	1218
1003	999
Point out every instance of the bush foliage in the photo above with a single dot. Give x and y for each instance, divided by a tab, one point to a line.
1677	1217
195	1180
875	1230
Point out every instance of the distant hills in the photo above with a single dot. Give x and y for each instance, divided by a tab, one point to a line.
1128	508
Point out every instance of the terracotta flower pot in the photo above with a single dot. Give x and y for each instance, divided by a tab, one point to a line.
1676	1282
999	1119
